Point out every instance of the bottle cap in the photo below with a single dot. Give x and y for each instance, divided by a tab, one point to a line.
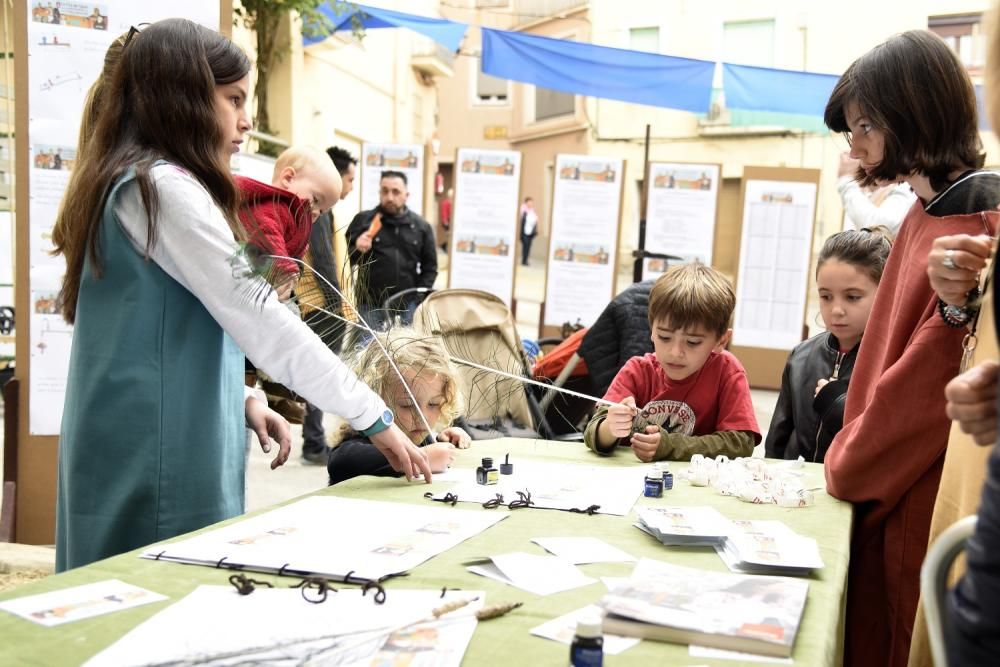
487	462
589	626
507	468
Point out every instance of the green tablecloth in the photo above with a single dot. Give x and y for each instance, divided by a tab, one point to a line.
500	641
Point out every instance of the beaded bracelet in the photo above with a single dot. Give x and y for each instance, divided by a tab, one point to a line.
959	316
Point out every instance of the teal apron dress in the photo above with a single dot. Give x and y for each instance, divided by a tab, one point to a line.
153	438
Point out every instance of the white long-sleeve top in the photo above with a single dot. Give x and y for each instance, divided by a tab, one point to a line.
195	246
860	211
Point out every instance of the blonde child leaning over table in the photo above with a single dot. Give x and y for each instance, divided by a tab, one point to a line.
431	389
689	396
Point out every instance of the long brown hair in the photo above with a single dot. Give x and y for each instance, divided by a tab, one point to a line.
158	105
91	108
915	90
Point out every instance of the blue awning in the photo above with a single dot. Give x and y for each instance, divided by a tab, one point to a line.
599	71
446	33
779	90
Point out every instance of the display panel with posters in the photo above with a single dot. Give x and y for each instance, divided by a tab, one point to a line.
485	223
681	208
583	240
66	45
408	159
779	212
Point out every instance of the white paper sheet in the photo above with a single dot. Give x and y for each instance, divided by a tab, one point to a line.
563	629
583	252
541	575
560	486
485	228
405	158
78	602
774	264
722	654
277	626
680	213
308	537
580	550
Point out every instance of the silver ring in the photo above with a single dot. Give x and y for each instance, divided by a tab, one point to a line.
949	262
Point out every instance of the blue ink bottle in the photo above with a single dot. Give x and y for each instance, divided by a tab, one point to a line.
486	473
653	488
668	477
587	649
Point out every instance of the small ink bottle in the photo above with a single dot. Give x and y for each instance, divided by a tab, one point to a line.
486	473
587	649
653	487
668	477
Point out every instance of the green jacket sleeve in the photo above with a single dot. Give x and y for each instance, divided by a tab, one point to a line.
677	447
590	434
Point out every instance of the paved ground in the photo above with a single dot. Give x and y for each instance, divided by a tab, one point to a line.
266	487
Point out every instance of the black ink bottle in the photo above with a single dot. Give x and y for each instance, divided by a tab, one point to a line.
486	473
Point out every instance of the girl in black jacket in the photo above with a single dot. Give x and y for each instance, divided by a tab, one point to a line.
810	408
421	387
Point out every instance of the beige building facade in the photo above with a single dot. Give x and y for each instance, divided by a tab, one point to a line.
348	89
817	37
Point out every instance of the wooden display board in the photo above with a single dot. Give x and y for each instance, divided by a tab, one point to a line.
682	212
410	159
55	64
582	263
484	227
776	235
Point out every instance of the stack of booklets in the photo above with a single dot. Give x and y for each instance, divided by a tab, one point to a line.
664	602
768	547
685	526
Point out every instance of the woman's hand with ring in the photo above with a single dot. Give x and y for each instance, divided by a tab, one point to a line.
954	263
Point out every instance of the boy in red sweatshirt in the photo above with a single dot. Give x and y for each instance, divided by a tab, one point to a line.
689	396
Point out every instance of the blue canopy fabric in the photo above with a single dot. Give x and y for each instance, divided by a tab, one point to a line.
783	91
598	71
447	33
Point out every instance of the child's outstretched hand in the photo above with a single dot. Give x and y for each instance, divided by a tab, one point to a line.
644	445
403	455
620	416
456	436
440	455
268	424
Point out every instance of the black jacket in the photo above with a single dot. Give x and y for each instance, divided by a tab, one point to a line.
620	333
403	255
357	456
804	425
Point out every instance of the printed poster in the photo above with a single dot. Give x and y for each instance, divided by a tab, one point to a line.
774	263
583	246
67	42
405	158
485	222
681	206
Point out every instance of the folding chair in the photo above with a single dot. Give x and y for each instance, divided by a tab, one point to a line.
934	582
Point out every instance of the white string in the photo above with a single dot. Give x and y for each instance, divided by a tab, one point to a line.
362	324
371	332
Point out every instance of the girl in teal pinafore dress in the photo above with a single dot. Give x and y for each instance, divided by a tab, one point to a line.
163	302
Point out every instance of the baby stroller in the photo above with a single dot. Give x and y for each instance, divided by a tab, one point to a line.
478	327
562	366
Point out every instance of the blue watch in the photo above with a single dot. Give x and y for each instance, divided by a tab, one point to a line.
381	424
